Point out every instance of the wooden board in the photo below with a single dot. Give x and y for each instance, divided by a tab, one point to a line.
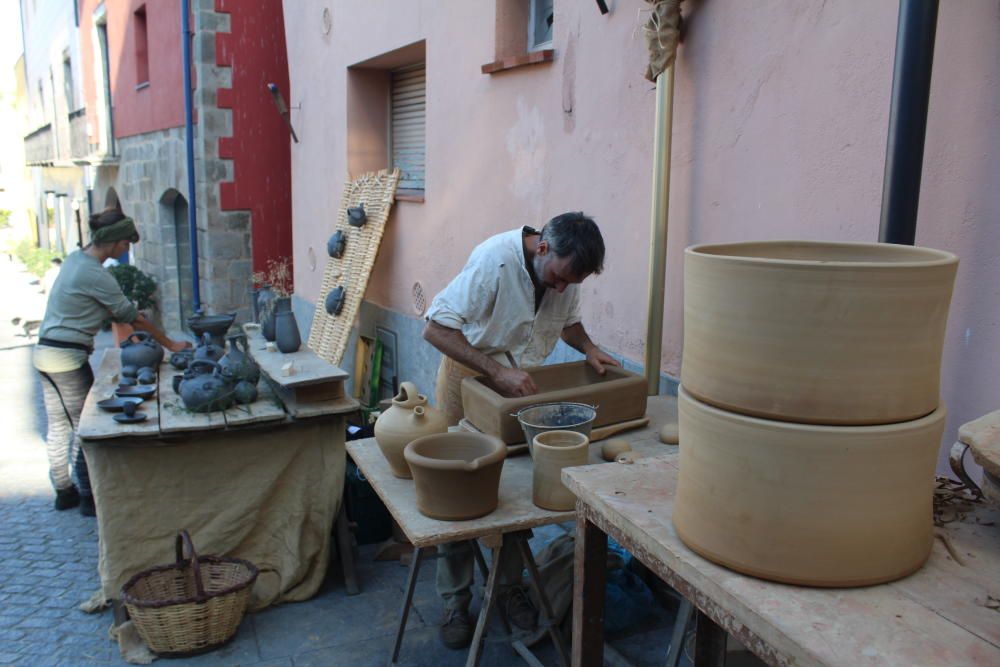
267	408
300	409
309	368
937	616
174	417
376	190
96	424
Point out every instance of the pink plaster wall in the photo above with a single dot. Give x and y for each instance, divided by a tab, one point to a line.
779	132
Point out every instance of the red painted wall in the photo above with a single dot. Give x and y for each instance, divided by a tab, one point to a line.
260	145
159	105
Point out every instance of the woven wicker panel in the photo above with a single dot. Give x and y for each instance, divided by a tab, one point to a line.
328	338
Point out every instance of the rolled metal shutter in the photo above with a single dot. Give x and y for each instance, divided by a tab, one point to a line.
408	120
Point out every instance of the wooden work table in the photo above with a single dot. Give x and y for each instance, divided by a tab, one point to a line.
940	615
261	482
515	514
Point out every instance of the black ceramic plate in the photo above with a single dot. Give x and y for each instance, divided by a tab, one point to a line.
116	404
125	419
140	390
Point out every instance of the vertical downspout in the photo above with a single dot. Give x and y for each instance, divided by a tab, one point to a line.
911	87
658	238
186	37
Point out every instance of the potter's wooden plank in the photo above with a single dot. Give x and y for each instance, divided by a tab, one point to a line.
267	408
96	424
309	368
892	624
174	416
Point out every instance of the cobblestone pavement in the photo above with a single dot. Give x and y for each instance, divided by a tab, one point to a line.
48	564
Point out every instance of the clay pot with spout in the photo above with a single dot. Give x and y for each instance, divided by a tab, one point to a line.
238	361
551	452
408	419
456	476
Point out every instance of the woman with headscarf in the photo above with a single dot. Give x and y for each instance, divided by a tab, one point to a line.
83	297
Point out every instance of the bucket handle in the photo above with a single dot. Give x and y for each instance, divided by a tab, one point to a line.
517	414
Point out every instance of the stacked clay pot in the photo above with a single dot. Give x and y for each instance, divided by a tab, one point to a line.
409	418
809	410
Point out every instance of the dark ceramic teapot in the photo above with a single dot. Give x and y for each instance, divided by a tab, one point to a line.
238	362
206	391
140	350
335	300
207	350
181	359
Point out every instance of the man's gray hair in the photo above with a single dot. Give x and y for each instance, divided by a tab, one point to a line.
575	234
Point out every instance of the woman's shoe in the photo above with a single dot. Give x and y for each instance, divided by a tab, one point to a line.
67	498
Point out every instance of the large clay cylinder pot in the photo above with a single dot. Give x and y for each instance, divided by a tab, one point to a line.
806	504
818	333
551	452
456	475
407	419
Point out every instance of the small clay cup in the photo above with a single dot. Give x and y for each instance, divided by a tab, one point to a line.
551	452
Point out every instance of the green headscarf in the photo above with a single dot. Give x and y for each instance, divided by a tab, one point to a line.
123	230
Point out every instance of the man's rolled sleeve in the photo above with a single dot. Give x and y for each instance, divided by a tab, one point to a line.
467	298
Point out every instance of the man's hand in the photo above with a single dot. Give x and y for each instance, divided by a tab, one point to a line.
178	345
514	382
598	358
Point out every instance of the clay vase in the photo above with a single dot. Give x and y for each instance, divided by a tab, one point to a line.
408	419
238	361
266	304
456	475
551	452
806	504
286	328
816	333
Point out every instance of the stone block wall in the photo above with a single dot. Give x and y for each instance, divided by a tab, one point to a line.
152	174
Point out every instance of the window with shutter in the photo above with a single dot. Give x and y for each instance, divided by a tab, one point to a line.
407	122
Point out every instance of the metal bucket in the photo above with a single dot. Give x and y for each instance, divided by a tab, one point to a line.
561	416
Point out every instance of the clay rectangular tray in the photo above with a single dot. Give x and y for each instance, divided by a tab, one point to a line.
619	396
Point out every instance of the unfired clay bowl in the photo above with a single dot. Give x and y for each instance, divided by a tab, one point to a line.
456	474
805	504
819	333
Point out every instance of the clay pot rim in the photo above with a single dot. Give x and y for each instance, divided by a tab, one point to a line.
921	257
582	441
787	426
414	458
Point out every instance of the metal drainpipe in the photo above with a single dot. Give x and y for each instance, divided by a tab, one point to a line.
911	87
186	37
660	215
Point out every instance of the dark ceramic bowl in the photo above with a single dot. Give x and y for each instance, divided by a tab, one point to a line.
139	390
117	404
215	326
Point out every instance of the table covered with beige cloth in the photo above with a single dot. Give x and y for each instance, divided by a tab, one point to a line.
262	484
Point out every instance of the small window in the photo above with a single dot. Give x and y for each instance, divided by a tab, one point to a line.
68	84
141	47
540	20
407	125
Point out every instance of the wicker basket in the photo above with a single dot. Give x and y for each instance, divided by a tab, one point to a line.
192	606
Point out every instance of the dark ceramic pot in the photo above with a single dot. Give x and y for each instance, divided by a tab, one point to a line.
286	329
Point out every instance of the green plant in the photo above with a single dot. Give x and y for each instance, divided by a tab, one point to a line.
4	218
137	286
36	260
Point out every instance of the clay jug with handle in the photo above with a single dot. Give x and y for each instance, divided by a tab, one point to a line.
408	419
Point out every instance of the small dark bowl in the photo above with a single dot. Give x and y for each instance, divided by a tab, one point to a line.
117	404
140	390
